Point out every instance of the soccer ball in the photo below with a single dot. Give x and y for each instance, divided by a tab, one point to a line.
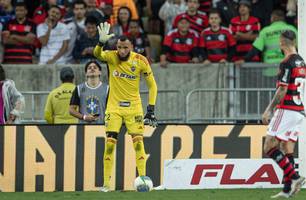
143	184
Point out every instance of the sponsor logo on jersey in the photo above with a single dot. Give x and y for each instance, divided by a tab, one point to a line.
189	41
123	75
199	21
221	37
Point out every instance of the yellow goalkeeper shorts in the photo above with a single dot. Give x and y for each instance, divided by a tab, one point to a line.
131	117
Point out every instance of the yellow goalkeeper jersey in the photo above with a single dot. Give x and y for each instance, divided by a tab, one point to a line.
124	77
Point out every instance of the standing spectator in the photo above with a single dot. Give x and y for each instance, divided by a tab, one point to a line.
76	26
6	11
117	4
122	25
54	37
216	42
205	5
139	39
18	38
11	101
169	10
227	10
268	40
88	101
85	44
262	9
57	106
245	29
198	20
41	13
180	45
92	10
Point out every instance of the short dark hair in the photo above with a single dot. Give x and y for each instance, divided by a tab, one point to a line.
77	2
91	20
21	4
2	73
56	6
92	61
214	11
123	38
279	14
289	34
135	21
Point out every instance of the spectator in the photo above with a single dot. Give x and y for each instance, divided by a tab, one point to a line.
57	105
262	9
11	101
198	20
1	46
41	13
217	43
205	5
117	4
267	42
124	18
92	10
83	50
180	45
155	25
18	38
88	100
245	29
227	10
54	37
6	11
169	10
139	39
76	26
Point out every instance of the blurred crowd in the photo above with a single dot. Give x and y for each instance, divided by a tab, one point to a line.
165	31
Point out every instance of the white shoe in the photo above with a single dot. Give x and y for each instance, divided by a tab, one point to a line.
280	195
296	185
104	189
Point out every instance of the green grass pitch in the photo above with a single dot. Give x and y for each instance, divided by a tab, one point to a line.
226	194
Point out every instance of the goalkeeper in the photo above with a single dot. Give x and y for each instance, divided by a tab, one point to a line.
124	104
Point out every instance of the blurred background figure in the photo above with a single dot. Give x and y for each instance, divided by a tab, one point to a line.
18	38
245	29
180	45
117	4
7	11
12	102
83	50
41	12
76	26
57	105
169	10
124	17
54	37
217	43
139	39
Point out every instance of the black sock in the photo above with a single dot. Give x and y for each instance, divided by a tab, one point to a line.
287	183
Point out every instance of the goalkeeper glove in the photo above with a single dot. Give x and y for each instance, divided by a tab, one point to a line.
150	117
103	30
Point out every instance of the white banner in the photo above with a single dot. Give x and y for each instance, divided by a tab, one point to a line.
221	173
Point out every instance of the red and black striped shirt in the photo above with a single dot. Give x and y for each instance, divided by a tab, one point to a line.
180	48
205	5
243	47
19	53
292	72
217	43
198	22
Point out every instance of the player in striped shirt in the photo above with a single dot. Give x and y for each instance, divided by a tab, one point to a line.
288	114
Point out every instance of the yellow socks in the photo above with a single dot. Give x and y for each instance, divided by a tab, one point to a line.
108	160
141	157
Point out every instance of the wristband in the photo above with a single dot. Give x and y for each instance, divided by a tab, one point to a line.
84	117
